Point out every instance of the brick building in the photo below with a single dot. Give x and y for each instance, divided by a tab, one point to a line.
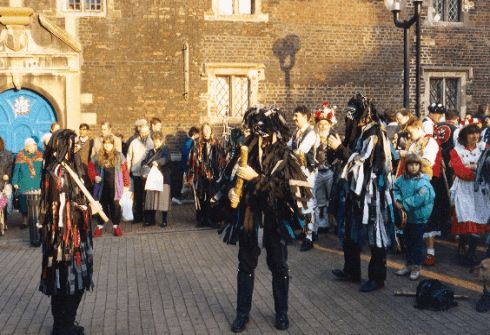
189	61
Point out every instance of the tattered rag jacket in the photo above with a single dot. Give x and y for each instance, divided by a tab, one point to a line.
67	248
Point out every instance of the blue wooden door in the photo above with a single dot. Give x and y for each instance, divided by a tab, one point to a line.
23	114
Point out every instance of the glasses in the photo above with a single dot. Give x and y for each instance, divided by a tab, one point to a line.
83	129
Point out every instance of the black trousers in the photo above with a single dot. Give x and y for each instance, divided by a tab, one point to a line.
139	198
112	209
277	261
352	259
64	309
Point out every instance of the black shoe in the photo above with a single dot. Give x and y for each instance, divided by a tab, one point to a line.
282	321
147	224
370	286
306	245
73	330
483	305
163	224
342	276
239	323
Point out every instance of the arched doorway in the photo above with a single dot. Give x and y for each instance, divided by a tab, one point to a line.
23	114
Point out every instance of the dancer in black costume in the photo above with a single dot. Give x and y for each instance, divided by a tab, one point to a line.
268	213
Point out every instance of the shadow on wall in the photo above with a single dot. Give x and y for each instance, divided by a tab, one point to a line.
285	49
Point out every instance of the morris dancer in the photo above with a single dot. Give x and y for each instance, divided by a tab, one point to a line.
303	145
368	204
67	262
268	212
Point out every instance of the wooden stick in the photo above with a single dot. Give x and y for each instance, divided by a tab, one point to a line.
403	293
240	181
86	192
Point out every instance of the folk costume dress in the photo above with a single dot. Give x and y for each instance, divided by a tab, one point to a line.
471	206
206	162
369	215
27	174
67	248
303	145
269	212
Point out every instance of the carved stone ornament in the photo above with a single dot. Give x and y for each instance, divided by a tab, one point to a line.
467	5
17	80
14	39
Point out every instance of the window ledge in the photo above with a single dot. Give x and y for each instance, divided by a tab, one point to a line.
218	120
259	17
82	14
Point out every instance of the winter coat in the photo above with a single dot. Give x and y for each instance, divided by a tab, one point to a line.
417	197
163	159
22	175
121	178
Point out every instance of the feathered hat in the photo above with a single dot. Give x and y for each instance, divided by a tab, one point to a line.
265	121
326	113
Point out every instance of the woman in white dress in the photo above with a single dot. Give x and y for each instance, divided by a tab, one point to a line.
471	207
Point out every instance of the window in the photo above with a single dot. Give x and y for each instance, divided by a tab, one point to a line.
445	91
446	85
230	7
232	95
447	10
232	89
237	10
83	7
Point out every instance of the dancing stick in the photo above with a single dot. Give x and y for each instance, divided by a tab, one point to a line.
239	181
95	205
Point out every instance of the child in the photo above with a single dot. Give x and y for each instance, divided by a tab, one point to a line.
414	195
109	171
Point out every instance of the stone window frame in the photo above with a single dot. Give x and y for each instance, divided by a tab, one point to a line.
61	6
254	72
466	5
464	74
256	16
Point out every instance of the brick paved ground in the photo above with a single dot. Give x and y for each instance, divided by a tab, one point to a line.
181	280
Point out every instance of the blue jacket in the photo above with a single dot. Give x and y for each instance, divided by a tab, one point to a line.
417	197
184	151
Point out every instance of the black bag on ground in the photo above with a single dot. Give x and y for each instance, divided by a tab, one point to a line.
434	295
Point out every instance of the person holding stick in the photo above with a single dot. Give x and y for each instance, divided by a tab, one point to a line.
269	192
66	233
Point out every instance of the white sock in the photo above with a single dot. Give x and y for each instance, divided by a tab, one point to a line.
115	226
99	226
431	251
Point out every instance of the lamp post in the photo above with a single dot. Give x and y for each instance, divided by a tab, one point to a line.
395	7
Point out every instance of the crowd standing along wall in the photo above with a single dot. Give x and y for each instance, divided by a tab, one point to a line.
295	52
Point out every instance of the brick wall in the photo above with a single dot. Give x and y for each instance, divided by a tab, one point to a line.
133	59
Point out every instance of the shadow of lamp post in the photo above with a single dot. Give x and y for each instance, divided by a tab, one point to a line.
395	6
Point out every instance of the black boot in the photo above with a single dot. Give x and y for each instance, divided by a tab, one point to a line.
149	218
471	256
306	245
280	290
164	219
245	288
483	305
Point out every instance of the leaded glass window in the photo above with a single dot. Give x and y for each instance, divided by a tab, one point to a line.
230	7
448	10
84	5
446	92
232	95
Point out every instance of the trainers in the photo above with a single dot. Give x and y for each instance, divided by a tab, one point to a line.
415	274
403	272
176	201
117	231
430	260
98	232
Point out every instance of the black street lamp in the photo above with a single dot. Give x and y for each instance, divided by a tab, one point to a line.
395	7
